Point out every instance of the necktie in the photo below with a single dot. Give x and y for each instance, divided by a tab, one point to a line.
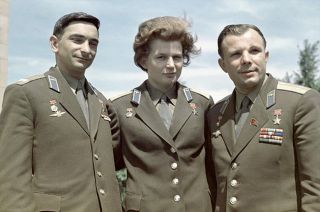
242	115
82	101
164	111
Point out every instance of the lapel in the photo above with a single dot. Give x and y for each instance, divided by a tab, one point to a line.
67	99
227	124
181	113
95	108
258	112
147	112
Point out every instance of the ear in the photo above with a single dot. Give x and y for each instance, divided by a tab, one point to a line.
221	63
266	55
54	43
142	62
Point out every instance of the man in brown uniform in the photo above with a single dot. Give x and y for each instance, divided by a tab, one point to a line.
265	136
55	145
162	125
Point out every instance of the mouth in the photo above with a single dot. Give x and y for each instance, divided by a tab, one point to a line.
83	59
247	71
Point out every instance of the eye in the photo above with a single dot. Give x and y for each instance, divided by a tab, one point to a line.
93	43
178	58
255	51
77	40
235	54
161	57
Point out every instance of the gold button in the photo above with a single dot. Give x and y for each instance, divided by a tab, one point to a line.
96	156
174	165
176	198
233	200
234	183
175	181
234	166
102	191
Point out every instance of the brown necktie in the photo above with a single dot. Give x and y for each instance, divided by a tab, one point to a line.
82	101
242	115
164	111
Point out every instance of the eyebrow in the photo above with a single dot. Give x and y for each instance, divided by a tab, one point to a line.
81	36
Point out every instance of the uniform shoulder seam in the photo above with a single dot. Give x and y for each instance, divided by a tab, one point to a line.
120	95
223	99
29	79
292	87
202	93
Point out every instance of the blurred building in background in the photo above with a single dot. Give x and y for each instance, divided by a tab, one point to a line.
4	16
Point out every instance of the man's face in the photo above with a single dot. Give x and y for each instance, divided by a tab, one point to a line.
76	48
244	59
164	63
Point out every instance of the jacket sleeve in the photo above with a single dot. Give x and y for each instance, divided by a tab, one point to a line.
307	147
16	140
116	137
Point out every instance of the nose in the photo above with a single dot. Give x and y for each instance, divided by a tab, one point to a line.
245	59
85	48
170	63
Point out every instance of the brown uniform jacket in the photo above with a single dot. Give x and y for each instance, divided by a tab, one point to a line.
274	166
49	159
166	169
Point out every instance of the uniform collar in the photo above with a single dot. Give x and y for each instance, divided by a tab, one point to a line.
252	95
156	94
73	82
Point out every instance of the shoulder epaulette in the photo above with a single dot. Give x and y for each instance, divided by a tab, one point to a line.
204	94
29	79
224	99
120	95
292	87
93	88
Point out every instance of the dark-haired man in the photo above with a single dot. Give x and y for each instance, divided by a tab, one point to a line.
265	136
55	132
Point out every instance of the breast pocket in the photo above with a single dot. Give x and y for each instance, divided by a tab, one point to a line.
132	202
47	202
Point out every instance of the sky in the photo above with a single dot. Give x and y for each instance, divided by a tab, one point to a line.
284	23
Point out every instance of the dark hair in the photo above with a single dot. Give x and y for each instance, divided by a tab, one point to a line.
166	28
237	29
65	20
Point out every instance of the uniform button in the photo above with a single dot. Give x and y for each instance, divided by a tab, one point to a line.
96	156
175	181
99	174
176	198
233	200
102	191
174	165
234	183
172	150
234	165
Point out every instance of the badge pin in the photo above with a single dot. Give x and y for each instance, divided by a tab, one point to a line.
52	102
57	114
105	117
129	112
254	122
219	120
216	133
277	113
54	108
194	107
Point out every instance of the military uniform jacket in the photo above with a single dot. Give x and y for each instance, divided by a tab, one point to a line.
166	169
274	164
49	159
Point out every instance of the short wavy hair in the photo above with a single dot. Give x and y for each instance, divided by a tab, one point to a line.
237	29
166	28
65	20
